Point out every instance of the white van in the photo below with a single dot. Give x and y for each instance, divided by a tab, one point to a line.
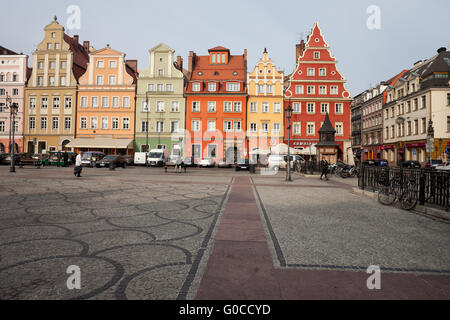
158	157
139	158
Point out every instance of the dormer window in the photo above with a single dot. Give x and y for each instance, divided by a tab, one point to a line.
218	55
196	87
233	86
211	87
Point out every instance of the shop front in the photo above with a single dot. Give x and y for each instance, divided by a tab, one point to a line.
109	146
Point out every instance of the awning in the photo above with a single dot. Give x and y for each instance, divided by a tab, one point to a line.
307	151
106	143
283	149
416	145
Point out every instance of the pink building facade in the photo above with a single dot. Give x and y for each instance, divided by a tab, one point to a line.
13	77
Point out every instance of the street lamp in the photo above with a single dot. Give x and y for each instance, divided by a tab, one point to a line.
146	129
13	108
289	116
430	140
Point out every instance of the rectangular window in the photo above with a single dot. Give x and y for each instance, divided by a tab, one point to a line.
2	91
228	106
196	106
115	102
322	72
233	86
211	125
211	87
253	127
298	89
211	106
296	129
126	123
316	55
67	123
260	88
62	81
276	128
175	106
63	65
104	123
322	89
99	80
227	126
196	87
83	123
264	127
44	123
67	102
94	123
145	106
196	125
160	72
310	128
40	65
448	124
424	102
333	90
55	123
416	126
113	64
94	102
311	90
169	87
32	123
126	102
15	92
3	125
310	108
151	87
253	107
51	80
44	103
105	102
40	81
311	72
84	102
160	87
115	123
339	108
296	107
265	107
100	64
112	80
339	128
52	64
324	108
55	102
237	126
173	126
277	107
160	106
144	126
269	88
424	125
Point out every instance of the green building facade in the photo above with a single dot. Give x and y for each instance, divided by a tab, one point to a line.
160	103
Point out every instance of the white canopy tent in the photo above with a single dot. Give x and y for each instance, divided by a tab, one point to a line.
282	148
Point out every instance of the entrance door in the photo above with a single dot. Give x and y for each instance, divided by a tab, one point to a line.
41	146
196	151
31	147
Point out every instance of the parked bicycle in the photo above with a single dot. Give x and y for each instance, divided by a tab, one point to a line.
397	190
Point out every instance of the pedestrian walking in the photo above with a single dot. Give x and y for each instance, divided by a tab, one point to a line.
324	166
78	166
58	156
66	159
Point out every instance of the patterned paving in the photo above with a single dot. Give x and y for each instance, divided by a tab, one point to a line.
135	240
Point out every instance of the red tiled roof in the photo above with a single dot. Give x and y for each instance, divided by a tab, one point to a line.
226	71
80	56
219	48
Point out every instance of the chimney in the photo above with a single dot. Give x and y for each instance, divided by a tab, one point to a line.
441	49
180	63
86	45
75	39
299	49
132	64
191	61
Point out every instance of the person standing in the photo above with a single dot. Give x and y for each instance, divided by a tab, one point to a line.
324	166
58	157
78	166
65	158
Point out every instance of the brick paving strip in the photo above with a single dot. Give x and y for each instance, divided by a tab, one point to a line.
241	267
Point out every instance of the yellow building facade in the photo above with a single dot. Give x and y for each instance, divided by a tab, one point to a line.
50	96
265	114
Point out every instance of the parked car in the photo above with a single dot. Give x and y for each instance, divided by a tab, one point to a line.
224	164
116	160
276	162
6	158
411	164
129	160
207	162
376	163
445	166
90	158
158	157
243	165
190	162
434	163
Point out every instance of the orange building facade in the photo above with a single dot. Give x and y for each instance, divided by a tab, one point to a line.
106	104
216	106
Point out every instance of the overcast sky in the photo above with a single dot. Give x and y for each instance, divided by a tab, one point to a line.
409	31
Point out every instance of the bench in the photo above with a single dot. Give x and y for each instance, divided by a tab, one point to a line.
30	162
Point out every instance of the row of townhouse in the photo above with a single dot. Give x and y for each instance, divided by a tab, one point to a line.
78	98
398	117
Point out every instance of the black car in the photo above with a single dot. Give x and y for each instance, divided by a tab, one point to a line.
5	158
411	164
243	164
129	160
116	160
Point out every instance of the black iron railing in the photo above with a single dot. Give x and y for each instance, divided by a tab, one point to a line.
432	186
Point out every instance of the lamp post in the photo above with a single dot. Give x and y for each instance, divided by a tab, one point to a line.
430	140
146	129
289	116
13	108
